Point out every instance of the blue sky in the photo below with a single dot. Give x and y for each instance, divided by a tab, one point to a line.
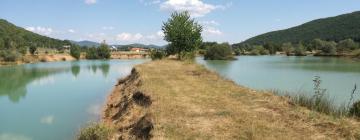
139	21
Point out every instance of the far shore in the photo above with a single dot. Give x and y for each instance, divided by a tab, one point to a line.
67	57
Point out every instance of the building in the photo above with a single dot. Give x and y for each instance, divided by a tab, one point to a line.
138	50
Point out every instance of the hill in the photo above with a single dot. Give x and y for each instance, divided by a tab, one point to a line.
14	36
86	43
333	28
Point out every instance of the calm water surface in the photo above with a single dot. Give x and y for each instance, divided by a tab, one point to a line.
52	101
294	74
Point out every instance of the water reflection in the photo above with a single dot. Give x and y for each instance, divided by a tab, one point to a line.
75	68
14	80
103	66
328	64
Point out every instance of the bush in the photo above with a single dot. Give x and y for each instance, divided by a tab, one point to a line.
219	52
287	48
300	50
10	55
95	132
187	56
75	51
356	53
355	109
91	53
346	45
103	51
157	54
32	49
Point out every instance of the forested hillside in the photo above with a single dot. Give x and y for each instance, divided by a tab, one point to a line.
337	28
12	36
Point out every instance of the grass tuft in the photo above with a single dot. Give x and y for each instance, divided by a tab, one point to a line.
95	131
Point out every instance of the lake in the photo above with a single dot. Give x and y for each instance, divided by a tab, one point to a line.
52	101
294	74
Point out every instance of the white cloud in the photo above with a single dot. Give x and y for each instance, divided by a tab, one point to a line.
47	120
197	8
107	28
40	30
90	1
129	37
211	23
71	31
160	34
212	31
150	2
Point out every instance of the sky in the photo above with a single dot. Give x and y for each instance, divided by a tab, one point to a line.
140	21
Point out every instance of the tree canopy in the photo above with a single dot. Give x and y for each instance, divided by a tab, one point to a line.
183	34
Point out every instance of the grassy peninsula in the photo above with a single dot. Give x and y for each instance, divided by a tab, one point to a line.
169	99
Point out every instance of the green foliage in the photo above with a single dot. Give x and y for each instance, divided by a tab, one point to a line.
157	54
300	50
355	109
95	132
329	48
32	49
17	37
287	48
10	55
219	52
75	51
259	50
182	33
347	45
104	51
272	48
91	53
356	53
333	28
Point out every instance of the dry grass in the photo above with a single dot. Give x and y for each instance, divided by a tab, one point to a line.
190	102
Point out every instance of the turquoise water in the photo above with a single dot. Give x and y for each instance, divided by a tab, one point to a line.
295	74
52	101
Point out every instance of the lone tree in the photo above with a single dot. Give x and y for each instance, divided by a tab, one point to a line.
183	34
75	51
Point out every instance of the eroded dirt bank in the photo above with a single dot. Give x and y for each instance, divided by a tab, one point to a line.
176	100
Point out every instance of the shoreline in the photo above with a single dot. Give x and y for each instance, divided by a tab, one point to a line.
147	104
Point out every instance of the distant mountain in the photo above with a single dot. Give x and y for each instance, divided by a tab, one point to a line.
333	28
14	36
137	45
86	43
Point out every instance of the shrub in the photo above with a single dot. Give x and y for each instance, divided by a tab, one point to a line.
91	53
355	109
32	49
75	51
95	132
329	48
187	56
287	48
219	52
10	55
157	54
254	52
103	51
346	45
356	53
300	50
